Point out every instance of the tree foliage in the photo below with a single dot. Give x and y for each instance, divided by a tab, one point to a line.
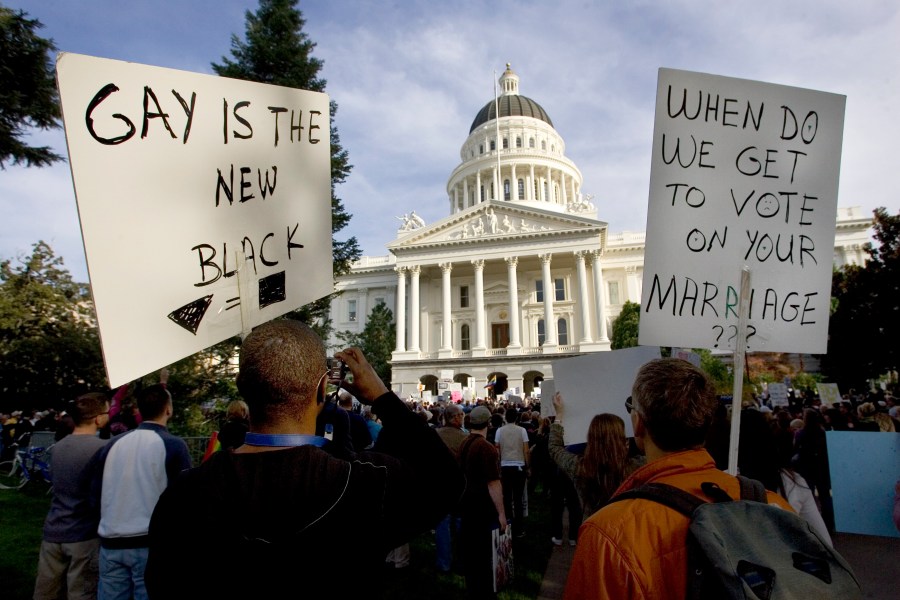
49	342
28	96
865	322
625	327
275	50
376	340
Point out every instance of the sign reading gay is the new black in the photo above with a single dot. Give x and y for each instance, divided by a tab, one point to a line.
180	177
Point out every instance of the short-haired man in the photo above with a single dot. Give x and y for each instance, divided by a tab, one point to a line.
481	505
280	517
637	548
453	435
70	549
135	468
515	459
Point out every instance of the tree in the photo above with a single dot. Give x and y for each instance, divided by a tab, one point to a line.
277	51
625	327
376	340
49	342
865	321
28	96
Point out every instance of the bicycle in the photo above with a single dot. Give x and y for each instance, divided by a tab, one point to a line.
27	465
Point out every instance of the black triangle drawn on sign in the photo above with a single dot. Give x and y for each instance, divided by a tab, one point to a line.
190	315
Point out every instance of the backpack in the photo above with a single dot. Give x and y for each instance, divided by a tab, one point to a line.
750	549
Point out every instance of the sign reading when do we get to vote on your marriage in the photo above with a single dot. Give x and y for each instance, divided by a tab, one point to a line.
743	174
205	204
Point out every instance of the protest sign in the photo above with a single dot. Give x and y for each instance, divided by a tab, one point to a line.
778	394
596	383
829	393
180	178
864	468
743	174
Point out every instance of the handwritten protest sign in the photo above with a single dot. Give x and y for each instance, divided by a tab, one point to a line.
179	177
829	393
778	394
743	173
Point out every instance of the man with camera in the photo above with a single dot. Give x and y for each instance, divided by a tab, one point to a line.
281	517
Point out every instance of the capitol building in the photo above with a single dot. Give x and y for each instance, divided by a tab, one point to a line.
522	271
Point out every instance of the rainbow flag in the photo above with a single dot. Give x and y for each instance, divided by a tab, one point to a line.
213	446
492	382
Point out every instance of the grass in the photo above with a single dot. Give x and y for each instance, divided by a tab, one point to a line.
22	515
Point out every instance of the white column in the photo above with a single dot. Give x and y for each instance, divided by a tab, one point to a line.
477	187
562	188
549	197
415	311
550	338
532	185
631	284
583	298
466	192
495	177
447	342
514	183
599	296
513	302
479	304
455	198
401	309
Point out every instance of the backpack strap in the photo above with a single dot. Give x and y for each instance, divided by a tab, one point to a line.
664	494
754	490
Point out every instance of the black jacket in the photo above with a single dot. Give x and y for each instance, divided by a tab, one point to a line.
298	521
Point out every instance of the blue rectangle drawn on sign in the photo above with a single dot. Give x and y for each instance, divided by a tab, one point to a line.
864	466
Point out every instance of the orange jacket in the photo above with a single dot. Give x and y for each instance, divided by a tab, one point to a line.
636	549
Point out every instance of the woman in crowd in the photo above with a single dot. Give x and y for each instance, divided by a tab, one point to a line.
237	424
811	461
605	463
758	458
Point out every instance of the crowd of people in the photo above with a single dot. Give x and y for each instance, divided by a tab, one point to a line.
314	472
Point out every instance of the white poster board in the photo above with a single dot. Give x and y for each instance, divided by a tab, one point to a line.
778	394
743	173
176	174
544	393
596	383
829	393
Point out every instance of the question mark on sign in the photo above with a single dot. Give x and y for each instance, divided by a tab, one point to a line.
721	331
734	333
751	332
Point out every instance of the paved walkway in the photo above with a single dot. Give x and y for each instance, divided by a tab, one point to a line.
874	560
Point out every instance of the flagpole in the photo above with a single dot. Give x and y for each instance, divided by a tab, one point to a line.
498	178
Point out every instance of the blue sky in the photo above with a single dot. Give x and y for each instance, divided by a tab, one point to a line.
410	75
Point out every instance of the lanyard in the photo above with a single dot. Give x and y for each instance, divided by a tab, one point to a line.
283	439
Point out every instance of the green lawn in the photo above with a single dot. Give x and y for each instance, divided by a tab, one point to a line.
22	515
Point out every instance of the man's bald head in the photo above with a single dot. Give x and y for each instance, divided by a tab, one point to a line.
281	365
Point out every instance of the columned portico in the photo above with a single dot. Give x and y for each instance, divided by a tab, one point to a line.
550	340
401	309
446	297
479	348
514	344
583	298
597	270
414	309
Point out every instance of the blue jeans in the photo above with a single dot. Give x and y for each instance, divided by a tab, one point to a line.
444	543
122	573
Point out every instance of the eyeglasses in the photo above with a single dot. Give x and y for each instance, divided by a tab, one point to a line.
629	405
